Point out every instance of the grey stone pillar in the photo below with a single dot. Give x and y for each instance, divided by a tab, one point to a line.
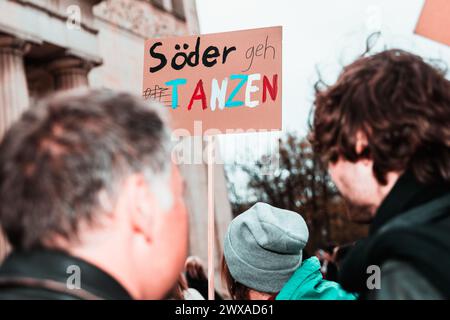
13	84
70	73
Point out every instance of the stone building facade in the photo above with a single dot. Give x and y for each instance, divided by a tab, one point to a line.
51	45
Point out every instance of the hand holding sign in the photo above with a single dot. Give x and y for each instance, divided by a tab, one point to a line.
227	81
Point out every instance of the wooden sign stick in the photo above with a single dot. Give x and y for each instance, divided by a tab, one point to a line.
211	218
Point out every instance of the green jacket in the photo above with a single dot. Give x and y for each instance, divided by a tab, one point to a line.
307	283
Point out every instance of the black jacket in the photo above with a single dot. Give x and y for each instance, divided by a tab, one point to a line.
409	240
46	274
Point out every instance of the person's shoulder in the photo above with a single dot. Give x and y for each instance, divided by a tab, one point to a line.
399	280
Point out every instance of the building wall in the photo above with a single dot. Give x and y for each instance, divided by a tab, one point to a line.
122	31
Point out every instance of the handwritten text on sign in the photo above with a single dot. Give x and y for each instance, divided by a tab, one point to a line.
226	80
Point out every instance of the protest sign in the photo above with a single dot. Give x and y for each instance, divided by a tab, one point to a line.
226	81
216	83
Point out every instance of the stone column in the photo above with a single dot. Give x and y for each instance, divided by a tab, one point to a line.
70	73
13	84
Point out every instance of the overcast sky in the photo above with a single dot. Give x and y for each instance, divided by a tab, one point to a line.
320	34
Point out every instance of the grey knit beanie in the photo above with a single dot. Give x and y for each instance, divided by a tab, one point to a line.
263	247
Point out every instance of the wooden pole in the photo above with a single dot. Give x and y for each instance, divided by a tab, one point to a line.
211	218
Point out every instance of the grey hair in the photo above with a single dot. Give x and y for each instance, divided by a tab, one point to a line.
63	160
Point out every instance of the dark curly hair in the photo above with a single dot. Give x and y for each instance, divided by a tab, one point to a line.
402	106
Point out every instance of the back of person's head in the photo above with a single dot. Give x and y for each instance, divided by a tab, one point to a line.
262	250
88	172
386	117
399	105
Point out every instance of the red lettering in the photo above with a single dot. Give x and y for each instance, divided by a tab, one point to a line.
199	94
272	88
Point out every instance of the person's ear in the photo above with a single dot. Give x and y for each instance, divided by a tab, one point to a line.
142	204
361	145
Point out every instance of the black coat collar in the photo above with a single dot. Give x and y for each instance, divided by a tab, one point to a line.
413	245
407	193
53	265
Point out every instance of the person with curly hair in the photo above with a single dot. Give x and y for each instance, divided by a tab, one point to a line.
383	129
